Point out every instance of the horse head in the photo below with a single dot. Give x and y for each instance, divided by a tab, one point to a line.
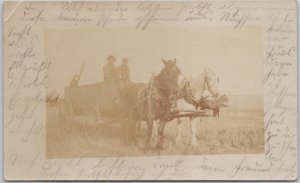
212	83
206	80
169	75
224	100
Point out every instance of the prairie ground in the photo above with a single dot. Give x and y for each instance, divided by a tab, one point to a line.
238	130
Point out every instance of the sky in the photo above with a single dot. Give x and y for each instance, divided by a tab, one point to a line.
235	55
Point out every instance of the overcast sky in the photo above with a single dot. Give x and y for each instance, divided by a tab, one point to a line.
234	55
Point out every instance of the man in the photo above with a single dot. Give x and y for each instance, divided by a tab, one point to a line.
109	69
123	73
75	80
110	81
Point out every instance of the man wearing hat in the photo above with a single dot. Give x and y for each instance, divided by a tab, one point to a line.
123	73
75	80
109	69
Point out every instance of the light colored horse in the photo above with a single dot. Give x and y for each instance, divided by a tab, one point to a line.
206	81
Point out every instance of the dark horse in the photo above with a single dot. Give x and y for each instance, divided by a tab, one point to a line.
150	102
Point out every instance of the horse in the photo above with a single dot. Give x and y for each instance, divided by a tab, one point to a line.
150	102
195	88
213	104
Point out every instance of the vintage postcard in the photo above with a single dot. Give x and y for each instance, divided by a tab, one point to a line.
200	90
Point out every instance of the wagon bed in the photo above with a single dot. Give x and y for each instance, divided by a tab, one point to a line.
99	97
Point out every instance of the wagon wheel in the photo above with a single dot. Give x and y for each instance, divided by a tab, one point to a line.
88	128
66	114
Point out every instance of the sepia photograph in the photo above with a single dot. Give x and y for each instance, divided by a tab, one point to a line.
150	91
125	92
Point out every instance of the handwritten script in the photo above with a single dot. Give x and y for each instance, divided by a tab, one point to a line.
25	83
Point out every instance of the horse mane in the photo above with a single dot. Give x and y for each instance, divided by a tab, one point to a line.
159	84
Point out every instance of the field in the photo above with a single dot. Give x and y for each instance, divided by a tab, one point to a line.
238	130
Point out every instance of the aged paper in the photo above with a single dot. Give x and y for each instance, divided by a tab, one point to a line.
201	90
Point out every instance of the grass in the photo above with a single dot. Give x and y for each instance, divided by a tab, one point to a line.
238	130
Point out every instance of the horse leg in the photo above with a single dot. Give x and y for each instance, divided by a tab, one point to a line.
134	131
149	132
161	128
179	131
154	133
126	127
129	131
193	125
139	125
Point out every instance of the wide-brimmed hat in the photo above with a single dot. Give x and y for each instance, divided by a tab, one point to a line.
111	57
